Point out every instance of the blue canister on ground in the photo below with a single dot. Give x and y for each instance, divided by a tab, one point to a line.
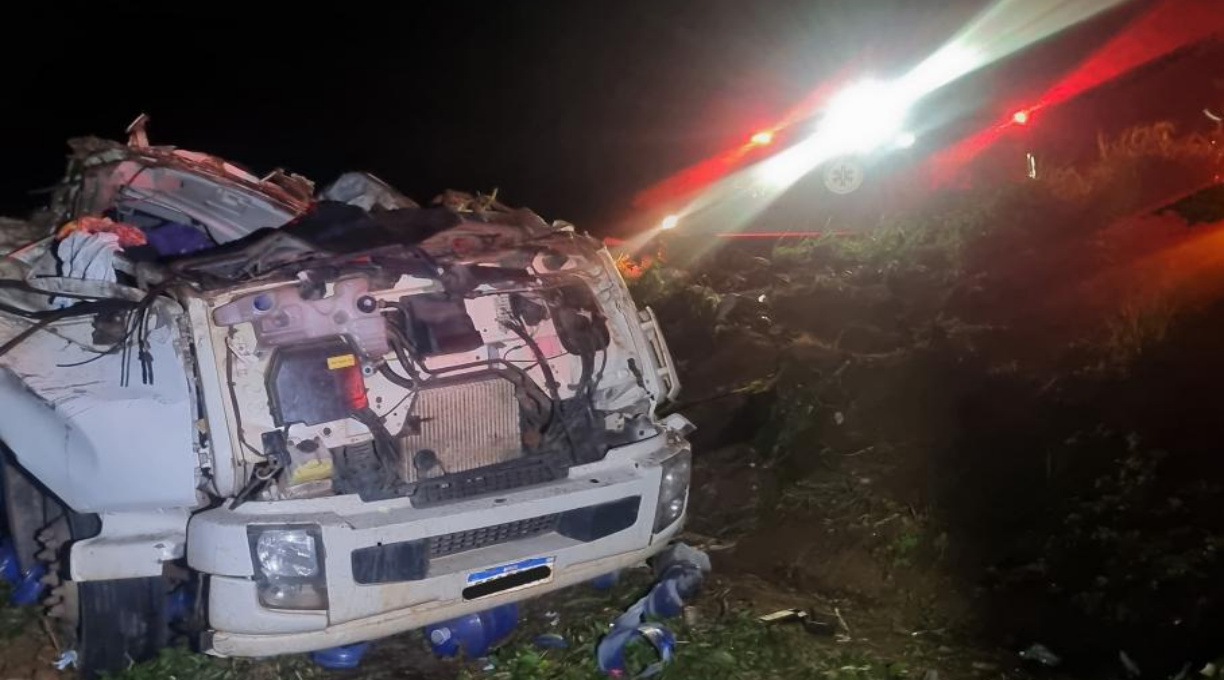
340	658
9	569
610	653
679	583
473	634
606	581
29	588
179	604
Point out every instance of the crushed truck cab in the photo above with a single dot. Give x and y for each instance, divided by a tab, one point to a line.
331	417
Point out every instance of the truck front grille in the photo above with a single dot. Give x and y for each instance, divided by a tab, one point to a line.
484	481
461	541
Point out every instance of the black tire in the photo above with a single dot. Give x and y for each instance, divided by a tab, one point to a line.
121	622
110	624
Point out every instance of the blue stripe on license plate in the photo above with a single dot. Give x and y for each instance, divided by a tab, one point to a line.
507	569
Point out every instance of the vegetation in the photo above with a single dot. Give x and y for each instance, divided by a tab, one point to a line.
934	410
1137	327
180	663
14	620
711	646
737	647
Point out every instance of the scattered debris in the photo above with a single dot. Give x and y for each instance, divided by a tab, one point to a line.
1039	653
551	641
842	620
67	659
681	569
681	554
366	192
810	622
818	626
611	651
783	616
1132	668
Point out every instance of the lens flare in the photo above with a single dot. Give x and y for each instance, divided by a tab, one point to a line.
866	116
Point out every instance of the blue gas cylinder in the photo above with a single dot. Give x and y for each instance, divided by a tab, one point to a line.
9	570
473	634
179	604
340	658
606	581
679	583
29	588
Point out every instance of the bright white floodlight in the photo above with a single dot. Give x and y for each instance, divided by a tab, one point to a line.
864	117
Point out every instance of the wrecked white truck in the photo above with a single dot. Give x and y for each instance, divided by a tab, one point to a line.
329	420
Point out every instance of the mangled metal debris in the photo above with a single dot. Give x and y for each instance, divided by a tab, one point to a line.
334	417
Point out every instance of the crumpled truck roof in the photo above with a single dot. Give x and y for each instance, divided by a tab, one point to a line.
177	184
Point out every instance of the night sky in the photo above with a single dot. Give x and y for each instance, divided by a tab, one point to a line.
567	107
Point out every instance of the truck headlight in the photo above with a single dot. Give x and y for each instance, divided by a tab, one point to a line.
289	571
673	489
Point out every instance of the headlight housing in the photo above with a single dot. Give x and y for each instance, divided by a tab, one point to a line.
673	489
289	566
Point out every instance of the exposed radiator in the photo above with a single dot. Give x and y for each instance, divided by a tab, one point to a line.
463	427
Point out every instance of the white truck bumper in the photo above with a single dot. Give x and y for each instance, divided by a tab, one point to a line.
218	546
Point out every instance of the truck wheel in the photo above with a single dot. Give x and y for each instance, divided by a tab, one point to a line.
110	624
119	623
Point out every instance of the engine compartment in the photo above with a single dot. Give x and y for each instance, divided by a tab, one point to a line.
381	382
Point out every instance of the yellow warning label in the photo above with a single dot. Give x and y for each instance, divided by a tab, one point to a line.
341	361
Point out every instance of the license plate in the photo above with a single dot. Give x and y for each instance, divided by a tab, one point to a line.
508	577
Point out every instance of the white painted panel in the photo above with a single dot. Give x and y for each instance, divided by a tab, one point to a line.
98	445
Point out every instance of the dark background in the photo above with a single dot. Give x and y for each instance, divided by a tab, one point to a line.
566	107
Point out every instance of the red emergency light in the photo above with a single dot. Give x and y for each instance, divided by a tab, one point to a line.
762	138
1020	117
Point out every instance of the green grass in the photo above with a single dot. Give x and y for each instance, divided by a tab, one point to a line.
180	663
734	646
14	620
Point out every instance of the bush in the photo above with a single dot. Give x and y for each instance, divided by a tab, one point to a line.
1136	328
